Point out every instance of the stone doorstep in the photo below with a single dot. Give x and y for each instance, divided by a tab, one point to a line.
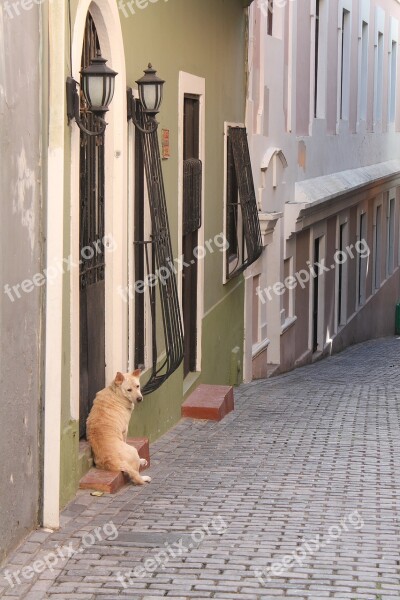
209	402
112	481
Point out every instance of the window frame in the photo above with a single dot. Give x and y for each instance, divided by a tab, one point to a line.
134	145
228	273
379	68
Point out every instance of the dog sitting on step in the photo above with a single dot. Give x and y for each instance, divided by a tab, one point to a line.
107	427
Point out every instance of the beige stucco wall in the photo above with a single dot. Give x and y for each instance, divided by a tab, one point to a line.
20	260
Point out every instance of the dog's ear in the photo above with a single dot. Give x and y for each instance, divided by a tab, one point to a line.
119	378
137	373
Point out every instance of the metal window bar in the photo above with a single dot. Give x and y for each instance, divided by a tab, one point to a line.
247	203
162	249
192	188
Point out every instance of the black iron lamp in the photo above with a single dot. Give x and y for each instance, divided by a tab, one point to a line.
98	83
150	95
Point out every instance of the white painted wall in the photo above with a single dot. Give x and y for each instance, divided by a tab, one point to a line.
281	88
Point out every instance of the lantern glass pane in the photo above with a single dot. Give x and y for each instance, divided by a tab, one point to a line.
150	96
110	89
95	90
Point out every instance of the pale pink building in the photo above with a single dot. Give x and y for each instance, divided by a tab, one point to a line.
323	121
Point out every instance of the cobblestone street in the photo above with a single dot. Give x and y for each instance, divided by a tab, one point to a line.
294	495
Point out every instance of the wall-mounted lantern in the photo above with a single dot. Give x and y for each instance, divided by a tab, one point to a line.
98	83
150	95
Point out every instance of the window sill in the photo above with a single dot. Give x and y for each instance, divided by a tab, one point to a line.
290	321
258	348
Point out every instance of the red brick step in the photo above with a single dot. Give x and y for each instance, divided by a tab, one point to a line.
112	481
210	402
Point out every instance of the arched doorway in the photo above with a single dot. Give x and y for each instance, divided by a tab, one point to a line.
63	233
99	316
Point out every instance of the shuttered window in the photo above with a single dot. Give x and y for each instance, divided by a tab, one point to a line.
242	223
192	178
154	260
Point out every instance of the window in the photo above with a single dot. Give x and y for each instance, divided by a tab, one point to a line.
345	66
378	88
363	91
191	224
392	83
242	226
92	201
234	226
317	30
342	271
362	260
142	251
288	296
317	306
378	247
153	256
256	311
390	235
320	58
270	17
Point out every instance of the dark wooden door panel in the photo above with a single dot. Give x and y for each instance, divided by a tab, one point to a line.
92	348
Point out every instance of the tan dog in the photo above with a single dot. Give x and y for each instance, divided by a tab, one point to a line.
107	427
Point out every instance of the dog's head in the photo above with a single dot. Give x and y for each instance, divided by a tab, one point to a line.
129	386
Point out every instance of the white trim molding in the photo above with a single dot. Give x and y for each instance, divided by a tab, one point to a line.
55	253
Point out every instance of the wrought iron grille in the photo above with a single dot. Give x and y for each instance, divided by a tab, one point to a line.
247	243
192	188
162	252
91	181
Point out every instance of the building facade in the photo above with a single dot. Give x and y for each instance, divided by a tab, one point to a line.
98	320
21	303
324	121
90	219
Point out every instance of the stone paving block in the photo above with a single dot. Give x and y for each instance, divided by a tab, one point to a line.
297	457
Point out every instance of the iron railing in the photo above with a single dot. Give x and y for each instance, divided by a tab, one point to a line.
172	354
247	203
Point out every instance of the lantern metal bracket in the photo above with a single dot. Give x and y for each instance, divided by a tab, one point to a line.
73	110
131	113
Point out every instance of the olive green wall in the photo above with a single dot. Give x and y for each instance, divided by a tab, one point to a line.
205	38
